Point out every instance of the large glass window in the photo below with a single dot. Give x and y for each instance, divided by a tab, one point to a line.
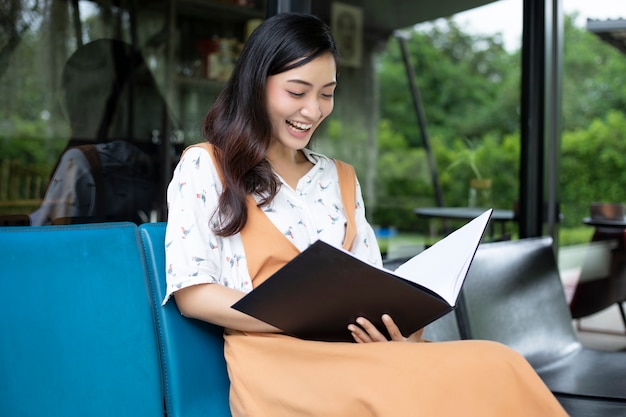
100	95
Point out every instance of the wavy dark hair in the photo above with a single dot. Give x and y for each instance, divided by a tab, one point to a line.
238	124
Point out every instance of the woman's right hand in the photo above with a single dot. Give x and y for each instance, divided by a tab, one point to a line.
365	332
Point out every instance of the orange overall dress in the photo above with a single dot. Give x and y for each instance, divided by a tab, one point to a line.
274	375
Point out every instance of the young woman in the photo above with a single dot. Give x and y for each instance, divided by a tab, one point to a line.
252	197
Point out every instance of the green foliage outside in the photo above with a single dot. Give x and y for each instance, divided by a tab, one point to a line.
470	89
28	146
595	162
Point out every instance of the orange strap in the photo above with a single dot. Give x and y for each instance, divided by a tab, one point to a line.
347	186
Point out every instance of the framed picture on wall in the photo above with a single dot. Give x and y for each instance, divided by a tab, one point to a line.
347	27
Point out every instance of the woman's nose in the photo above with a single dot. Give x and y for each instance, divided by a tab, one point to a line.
312	109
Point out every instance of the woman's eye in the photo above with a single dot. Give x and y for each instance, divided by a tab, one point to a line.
328	95
296	94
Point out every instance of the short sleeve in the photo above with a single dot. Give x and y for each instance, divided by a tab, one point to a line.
192	250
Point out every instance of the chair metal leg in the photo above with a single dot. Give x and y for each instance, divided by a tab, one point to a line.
620	305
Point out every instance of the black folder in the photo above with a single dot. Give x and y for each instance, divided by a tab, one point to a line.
323	289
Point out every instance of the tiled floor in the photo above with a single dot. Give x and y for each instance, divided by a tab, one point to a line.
604	330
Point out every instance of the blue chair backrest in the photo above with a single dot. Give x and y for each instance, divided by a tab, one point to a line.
76	326
192	352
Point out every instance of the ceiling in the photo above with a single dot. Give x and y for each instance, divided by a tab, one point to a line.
382	17
612	31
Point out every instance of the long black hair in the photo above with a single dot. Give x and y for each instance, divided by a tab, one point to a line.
238	124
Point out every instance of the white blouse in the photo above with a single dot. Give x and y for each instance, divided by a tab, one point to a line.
314	210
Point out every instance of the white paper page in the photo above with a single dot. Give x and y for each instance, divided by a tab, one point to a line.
442	267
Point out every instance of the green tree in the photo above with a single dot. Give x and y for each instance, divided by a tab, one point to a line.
403	180
470	91
467	83
470	87
593	165
593	77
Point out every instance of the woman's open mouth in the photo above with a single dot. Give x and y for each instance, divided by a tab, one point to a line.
298	126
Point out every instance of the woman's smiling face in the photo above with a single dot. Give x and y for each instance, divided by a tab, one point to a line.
299	99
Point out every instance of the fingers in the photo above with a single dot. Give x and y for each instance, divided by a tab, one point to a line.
392	329
358	334
365	332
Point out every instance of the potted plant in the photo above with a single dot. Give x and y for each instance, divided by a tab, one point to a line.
479	194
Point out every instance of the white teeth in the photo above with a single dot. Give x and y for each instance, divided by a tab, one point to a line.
299	126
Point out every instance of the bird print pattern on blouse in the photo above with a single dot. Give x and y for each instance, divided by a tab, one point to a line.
314	210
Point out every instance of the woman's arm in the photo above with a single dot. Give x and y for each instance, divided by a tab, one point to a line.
212	303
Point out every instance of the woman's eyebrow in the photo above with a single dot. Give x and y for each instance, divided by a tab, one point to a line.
308	84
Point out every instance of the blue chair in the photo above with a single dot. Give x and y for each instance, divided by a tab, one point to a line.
77	330
192	352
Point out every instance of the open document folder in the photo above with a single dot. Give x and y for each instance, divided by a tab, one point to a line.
323	289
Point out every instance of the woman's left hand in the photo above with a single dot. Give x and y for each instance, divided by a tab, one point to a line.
366	332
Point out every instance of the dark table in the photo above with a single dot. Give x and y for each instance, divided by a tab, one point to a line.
468	213
619	224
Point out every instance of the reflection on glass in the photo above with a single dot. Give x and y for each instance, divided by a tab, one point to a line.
84	119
